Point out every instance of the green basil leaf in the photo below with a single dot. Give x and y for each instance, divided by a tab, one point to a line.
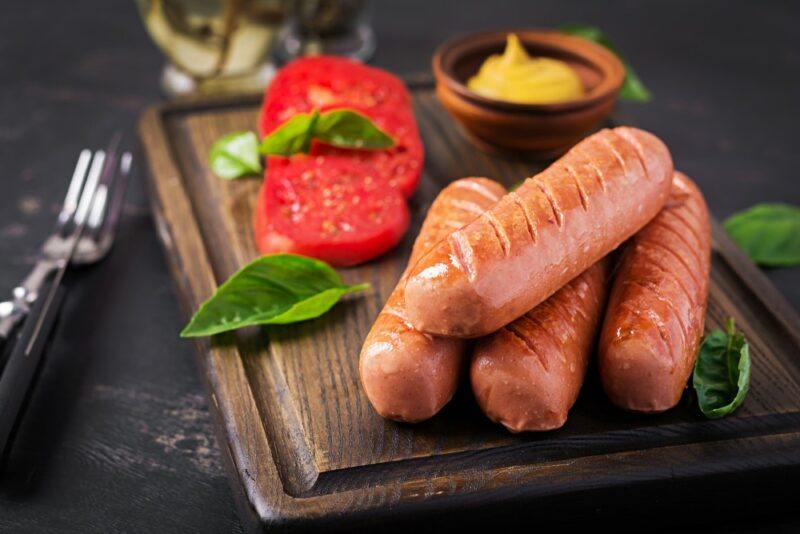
768	233
235	155
722	372
343	128
590	33
276	289
632	87
348	129
291	137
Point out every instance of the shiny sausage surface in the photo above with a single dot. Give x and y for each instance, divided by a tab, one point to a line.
656	310
528	374
541	236
407	375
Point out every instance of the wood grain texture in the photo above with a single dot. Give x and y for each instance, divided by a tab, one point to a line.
306	445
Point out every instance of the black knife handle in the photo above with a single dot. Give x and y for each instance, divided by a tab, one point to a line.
23	361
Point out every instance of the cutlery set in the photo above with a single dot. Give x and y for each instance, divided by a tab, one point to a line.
83	235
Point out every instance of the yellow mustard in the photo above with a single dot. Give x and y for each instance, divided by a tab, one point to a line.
514	76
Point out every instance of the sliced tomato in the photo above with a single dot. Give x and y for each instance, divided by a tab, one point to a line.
342	206
326	83
328	207
399	166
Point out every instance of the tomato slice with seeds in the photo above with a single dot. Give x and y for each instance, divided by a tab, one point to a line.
326	83
399	166
342	206
328	207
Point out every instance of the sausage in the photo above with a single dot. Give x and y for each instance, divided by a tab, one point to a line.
528	374
539	237
657	306
407	375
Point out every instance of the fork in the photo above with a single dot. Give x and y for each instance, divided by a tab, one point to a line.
83	234
85	206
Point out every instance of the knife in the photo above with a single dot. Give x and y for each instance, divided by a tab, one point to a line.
24	359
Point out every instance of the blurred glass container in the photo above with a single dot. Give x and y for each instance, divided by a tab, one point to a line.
214	46
335	27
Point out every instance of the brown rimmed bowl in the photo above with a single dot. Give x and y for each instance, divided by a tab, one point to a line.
538	130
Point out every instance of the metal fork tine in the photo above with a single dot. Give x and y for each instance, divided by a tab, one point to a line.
107	178
98	207
74	189
91	185
110	169
117	195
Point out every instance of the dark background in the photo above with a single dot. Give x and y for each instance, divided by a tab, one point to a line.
118	436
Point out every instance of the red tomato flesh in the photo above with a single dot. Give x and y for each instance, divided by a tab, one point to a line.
400	166
328	207
326	83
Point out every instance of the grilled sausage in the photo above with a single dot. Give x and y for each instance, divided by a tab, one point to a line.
657	306
541	236
407	375
528	374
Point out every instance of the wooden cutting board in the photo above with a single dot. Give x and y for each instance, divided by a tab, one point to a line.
305	445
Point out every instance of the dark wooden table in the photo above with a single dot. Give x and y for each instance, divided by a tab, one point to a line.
118	436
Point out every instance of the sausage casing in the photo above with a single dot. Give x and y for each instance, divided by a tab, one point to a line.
406	374
540	236
656	310
528	374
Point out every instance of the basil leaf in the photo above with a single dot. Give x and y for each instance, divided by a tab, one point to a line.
235	155
590	33
722	372
343	128
291	137
238	154
276	289
768	233
632	87
349	129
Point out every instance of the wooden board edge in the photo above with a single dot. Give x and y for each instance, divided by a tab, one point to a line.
761	286
523	486
254	480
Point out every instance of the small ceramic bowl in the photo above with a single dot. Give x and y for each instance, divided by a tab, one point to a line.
539	130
